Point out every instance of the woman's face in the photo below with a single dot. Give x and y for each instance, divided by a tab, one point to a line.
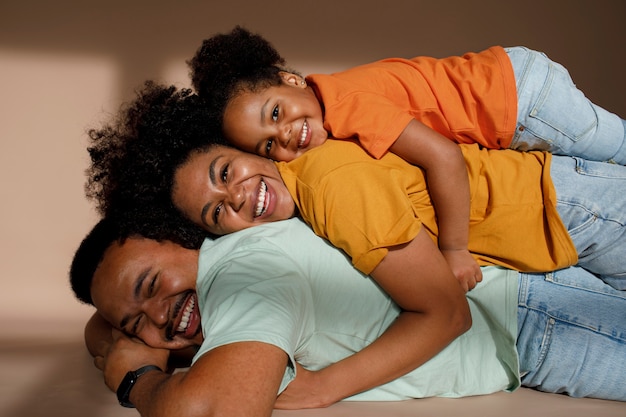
224	190
279	122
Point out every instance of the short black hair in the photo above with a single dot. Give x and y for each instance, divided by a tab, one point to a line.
91	251
89	255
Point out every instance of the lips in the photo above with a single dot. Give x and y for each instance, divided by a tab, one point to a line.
184	321
262	200
187	316
304	135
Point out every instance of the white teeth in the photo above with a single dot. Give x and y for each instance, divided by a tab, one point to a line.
184	322
260	204
305	130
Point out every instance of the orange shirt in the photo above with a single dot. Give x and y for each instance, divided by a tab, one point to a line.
469	99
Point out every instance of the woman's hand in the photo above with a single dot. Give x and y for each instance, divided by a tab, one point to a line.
305	391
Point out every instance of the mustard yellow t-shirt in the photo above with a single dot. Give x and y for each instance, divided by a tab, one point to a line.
364	206
469	99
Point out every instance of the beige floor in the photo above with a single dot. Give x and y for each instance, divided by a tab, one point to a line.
56	378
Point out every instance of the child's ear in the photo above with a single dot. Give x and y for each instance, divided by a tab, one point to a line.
292	79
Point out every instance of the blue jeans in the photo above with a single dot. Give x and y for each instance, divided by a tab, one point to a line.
553	115
591	201
572	334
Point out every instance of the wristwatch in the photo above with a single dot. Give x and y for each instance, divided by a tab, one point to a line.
123	391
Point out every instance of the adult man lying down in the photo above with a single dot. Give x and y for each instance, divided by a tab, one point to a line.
276	295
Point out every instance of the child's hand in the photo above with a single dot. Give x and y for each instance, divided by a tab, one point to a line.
464	268
303	392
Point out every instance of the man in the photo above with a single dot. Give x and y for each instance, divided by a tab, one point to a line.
276	295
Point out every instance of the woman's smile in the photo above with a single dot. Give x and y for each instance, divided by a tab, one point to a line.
225	190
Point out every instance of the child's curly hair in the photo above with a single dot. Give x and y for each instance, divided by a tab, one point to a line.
228	64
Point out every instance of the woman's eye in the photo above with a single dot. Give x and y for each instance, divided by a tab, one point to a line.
151	287
275	113
216	213
268	147
224	175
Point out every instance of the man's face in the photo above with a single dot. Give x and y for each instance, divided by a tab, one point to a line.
224	190
146	289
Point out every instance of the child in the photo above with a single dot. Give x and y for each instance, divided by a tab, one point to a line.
497	98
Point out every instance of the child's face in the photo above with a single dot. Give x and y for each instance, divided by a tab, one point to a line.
279	122
224	190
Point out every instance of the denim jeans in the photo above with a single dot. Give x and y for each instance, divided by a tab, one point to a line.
553	115
572	334
591	201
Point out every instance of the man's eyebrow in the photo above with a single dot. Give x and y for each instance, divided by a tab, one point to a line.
136	292
206	207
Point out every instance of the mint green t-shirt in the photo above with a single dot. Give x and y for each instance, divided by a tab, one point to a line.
281	284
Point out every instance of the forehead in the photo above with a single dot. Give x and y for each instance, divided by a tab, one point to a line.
121	263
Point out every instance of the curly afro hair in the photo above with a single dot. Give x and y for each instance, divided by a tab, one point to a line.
230	63
134	158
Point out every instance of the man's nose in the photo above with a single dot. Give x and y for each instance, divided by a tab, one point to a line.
157	312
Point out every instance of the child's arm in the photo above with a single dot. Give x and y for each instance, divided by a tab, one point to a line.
446	176
440	313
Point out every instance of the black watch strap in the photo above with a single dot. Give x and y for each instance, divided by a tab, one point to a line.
123	391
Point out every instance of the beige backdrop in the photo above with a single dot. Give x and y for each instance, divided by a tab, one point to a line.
65	65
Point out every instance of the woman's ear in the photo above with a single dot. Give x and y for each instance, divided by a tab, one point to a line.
294	80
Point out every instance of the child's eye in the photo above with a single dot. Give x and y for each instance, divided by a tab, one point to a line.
275	113
224	175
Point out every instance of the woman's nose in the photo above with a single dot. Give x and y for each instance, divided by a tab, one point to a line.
237	196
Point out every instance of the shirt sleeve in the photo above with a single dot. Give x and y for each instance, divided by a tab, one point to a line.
366	211
352	111
241	304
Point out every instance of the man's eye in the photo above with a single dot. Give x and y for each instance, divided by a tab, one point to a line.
135	328
275	113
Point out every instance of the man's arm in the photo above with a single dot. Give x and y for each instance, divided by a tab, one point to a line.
239	379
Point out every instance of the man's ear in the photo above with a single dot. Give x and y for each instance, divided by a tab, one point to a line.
291	79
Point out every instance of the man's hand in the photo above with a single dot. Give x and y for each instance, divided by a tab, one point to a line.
127	354
464	268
